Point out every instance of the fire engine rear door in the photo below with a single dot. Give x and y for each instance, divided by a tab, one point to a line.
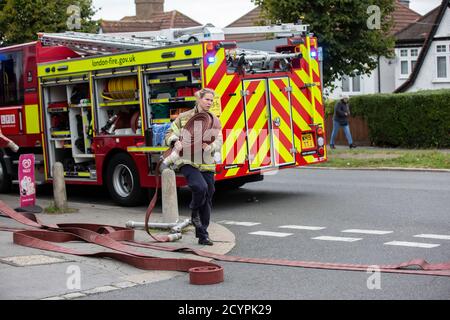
257	115
281	116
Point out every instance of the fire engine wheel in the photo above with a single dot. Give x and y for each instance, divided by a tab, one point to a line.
123	181
5	179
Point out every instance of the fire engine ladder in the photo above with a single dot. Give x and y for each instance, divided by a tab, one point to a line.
98	43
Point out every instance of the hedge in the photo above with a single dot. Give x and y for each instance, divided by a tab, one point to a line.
412	120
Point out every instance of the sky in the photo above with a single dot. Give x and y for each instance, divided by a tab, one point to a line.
210	11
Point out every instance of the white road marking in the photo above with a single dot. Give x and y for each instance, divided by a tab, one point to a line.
271	234
413	244
237	223
433	236
303	228
327	238
377	232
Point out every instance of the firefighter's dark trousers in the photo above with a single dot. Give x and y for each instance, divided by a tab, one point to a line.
202	187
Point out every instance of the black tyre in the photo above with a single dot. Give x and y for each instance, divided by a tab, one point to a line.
5	178
122	180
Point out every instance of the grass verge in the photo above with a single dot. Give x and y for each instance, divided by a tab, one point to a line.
387	158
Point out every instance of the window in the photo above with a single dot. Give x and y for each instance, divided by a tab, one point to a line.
351	84
11	79
443	61
442	67
441	48
404	68
345	84
408	60
356	84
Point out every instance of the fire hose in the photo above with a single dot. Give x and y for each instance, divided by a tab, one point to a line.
119	239
4	141
201	273
45	236
190	139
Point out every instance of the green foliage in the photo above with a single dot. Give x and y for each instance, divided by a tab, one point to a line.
417	120
21	20
341	26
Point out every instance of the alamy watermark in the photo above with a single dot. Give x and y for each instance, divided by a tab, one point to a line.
74	20
374	281
74	280
374	20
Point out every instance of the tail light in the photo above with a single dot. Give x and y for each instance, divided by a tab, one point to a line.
320	137
321	151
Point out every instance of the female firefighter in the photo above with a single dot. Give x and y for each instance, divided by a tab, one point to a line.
198	158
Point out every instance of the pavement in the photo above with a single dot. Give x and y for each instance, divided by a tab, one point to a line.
31	274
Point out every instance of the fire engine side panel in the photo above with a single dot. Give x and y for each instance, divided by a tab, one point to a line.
19	121
130	59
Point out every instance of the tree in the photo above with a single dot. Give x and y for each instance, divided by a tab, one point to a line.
21	20
348	31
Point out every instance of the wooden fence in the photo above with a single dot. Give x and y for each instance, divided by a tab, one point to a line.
358	128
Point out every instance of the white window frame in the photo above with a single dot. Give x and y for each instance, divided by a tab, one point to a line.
351	84
439	54
405	56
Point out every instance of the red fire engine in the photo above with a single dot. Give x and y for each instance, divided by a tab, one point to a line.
100	104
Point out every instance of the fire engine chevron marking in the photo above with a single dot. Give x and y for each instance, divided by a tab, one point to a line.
223	85
262	158
211	70
282	155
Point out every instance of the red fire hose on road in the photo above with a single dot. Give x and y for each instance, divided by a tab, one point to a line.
120	239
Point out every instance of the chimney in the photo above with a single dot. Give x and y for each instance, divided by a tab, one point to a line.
405	3
146	9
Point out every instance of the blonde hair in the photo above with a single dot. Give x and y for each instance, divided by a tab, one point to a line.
201	93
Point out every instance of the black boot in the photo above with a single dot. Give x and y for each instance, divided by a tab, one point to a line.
352	146
195	219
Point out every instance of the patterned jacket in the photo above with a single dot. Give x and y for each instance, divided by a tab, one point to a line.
174	133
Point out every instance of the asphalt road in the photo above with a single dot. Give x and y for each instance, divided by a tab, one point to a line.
395	207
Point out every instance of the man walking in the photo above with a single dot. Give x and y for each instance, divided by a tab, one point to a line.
340	119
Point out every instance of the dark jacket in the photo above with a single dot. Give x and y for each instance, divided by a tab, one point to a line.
341	113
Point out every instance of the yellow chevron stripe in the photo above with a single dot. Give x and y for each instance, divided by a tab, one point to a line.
310	159
230	107
284	127
279	95
300	122
304	102
256	130
262	152
255	98
232	172
317	94
282	150
232	138
212	68
314	66
223	85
